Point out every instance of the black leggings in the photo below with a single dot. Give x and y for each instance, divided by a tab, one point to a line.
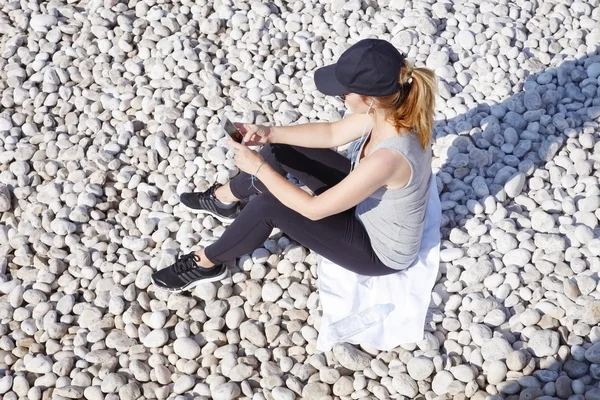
340	238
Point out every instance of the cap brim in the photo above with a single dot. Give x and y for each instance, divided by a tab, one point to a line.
327	83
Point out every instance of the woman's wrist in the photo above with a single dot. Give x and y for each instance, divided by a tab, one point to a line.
261	167
272	135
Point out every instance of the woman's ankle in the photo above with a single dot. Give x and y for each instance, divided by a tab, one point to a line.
204	262
224	195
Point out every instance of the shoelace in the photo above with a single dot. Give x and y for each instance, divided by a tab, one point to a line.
186	263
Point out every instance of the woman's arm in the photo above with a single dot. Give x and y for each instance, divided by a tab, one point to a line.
315	135
371	173
321	135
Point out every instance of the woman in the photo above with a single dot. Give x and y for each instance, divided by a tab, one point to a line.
367	214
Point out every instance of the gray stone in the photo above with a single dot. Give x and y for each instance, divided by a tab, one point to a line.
575	369
593	354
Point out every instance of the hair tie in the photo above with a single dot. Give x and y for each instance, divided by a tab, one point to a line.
410	79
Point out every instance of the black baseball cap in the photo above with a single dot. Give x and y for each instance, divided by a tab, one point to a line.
370	67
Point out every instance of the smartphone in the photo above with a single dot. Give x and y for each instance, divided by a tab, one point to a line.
231	130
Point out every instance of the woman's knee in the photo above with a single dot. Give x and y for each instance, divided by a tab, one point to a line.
265	205
265	200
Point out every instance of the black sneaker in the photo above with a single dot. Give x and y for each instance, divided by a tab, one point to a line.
207	203
186	273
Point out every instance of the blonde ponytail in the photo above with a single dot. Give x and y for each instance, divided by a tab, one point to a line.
413	107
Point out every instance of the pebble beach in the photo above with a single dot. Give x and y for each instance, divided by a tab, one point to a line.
109	110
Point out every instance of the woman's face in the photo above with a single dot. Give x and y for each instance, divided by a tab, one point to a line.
356	103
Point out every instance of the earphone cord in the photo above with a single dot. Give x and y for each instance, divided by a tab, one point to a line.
361	138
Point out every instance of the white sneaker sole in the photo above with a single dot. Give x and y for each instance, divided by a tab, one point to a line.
224	220
192	285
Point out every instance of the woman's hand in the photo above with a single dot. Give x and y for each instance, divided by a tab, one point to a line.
245	159
254	135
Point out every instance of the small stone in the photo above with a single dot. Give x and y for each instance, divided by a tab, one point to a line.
495	349
271	291
463	373
253	332
130	391
39	364
405	385
234	317
41	22
5	199
282	393
420	368
496	372
156	338
71	392
593	354
343	386
591	313
183	384
118	339
315	391
350	357
240	372
186	348
441	382
113	382
544	343
575	369
516	361
226	391
466	40
514	186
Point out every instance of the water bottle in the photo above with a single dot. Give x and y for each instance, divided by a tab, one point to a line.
356	323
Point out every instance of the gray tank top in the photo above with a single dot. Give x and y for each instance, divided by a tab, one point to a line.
394	218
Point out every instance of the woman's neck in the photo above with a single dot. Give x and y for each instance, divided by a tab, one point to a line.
382	128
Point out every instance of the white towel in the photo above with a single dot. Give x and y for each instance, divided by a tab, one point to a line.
381	311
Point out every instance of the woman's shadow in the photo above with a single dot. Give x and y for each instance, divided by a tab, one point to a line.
497	162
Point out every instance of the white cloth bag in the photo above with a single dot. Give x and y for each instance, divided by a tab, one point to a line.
381	311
